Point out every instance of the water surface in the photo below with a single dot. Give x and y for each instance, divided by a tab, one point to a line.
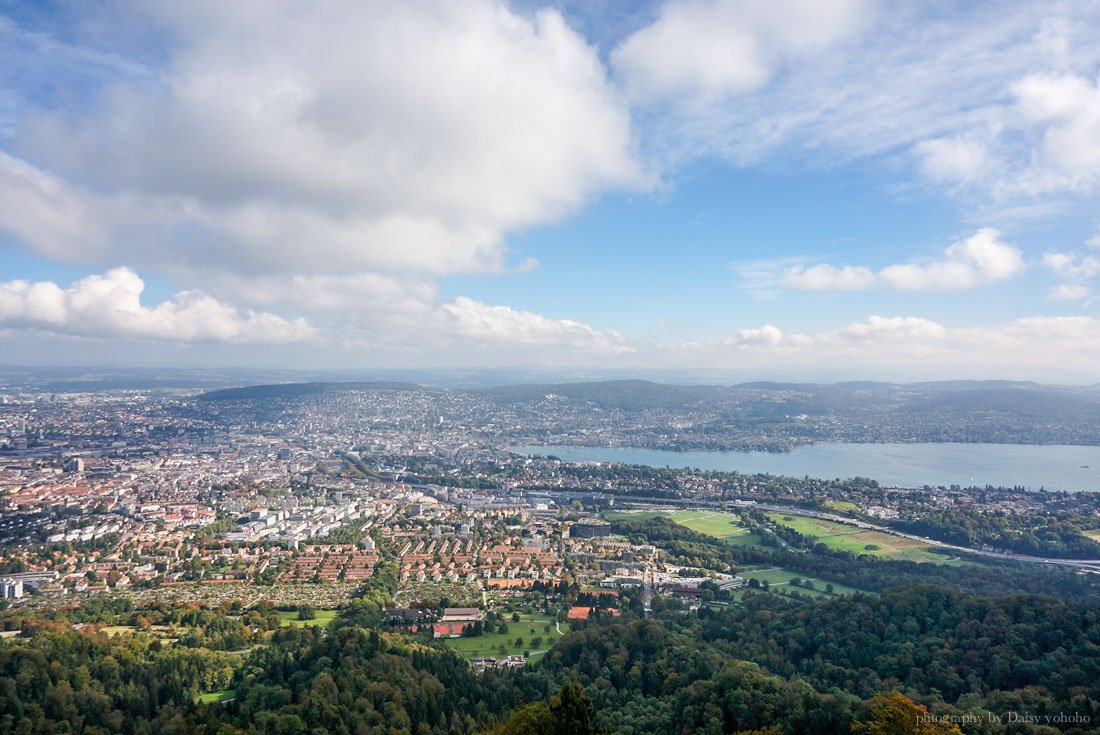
1055	467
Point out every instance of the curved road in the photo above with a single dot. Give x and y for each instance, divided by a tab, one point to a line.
1087	565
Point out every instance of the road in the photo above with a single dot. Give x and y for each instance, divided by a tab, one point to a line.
1087	565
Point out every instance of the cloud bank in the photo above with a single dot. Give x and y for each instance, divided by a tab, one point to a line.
109	306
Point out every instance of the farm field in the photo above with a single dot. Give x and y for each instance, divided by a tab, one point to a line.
849	538
290	617
489	644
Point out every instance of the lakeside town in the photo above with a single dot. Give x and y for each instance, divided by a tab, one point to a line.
297	502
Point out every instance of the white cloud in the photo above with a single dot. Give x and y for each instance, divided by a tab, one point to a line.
896	327
1000	102
1068	292
901	348
1072	265
109	306
1066	110
502	323
825	277
954	160
330	137
766	335
979	259
707	49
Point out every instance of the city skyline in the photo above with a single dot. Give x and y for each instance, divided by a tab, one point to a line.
794	189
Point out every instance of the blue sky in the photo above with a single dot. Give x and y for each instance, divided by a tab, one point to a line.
786	189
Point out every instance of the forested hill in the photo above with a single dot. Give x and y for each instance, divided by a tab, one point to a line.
806	669
295	390
774	416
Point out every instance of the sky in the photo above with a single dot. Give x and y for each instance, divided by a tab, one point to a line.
764	189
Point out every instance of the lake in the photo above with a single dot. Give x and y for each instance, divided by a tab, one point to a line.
1054	467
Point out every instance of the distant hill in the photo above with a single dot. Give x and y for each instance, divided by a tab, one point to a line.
631	395
294	390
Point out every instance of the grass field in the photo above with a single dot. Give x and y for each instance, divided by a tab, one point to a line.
223	696
849	538
290	617
844	506
1094	534
779	580
744	539
490	643
161	630
712	523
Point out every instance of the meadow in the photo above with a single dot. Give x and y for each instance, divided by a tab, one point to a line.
488	644
843	537
290	617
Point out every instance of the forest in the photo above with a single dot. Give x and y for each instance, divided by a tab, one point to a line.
766	665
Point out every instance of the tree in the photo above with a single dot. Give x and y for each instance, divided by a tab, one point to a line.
896	714
305	612
569	713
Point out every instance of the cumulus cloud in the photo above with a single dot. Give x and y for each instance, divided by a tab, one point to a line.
1065	108
916	348
1072	265
767	336
329	137
825	277
955	160
979	259
1068	292
1077	269
482	321
882	327
109	306
708	49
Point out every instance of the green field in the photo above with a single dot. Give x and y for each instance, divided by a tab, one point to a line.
779	580
744	539
844	506
712	523
489	644
163	631
290	617
1094	534
223	696
843	537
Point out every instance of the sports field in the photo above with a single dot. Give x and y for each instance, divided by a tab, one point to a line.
726	526
843	537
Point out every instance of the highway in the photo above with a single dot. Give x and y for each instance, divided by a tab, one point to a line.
1088	565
